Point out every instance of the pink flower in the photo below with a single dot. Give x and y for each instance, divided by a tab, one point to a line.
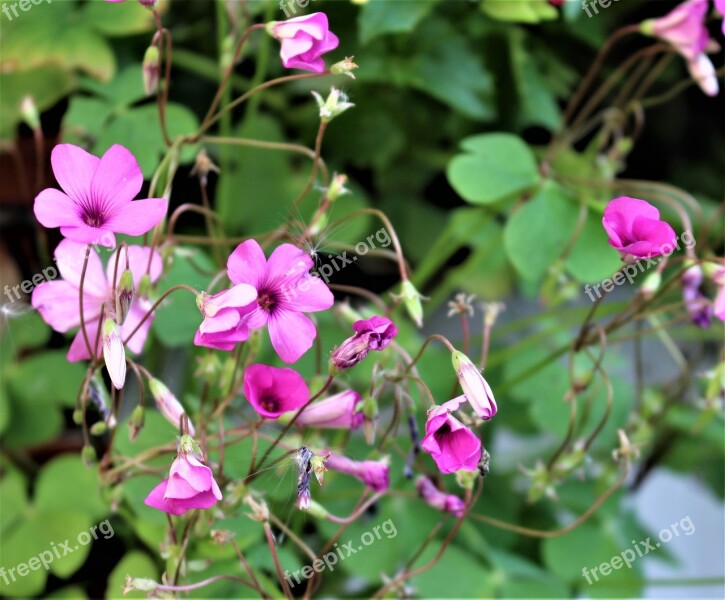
719	279
57	301
285	290
475	388
190	484
98	196
224	326
720	6
168	405
273	391
374	333
684	28
114	354
452	445
336	412
373	473
635	229
696	303
437	499
304	40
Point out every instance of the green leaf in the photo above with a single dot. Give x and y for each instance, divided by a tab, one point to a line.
66	483
134	564
391	16
493	166
537	234
592	258
520	11
25	428
46	85
123	90
84	121
456	575
13	497
118	19
47	378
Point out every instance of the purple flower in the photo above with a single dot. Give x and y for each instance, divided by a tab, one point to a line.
374	333
719	279
437	499
373	473
285	290
97	202
635	229
224	324
452	445
57	301
336	412
696	303
190	484
304	40
273	391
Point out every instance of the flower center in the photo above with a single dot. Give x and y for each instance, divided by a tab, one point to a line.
93	217
267	301
269	403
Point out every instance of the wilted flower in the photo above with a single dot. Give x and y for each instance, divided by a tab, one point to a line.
437	499
57	301
304	40
190	483
224	325
635	229
336	412
452	445
373	473
475	387
285	290
374	333
273	391
335	105
97	202
344	67
411	299
168	405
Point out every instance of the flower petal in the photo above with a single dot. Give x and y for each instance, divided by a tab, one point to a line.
292	334
247	264
69	256
116	182
138	217
78	349
286	265
57	303
74	169
53	208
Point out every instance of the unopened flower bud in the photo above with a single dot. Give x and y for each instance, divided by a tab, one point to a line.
150	4
88	455
99	428
114	354
335	105
344	67
475	387
432	496
412	301
78	416
124	296
144	286
151	70
650	285
29	112
370	418
135	423
374	333
316	509
168	405
317	463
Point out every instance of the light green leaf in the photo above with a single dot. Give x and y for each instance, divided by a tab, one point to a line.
47	378
520	11
391	16
592	258
538	232
118	19
492	167
134	564
13	497
66	483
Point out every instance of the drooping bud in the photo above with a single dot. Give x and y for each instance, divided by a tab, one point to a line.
99	428
78	416
344	67
167	404
29	112
125	291
88	455
114	354
437	499
303	459
151	70
370	418
144	286
475	387
411	299
335	105
135	423
374	334
650	285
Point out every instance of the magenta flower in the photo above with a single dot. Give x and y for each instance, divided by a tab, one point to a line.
373	473
635	229
224	326
273	391
97	202
285	290
57	301
475	388
720	6
697	305
452	445
336	412
304	40
374	333
190	483
437	499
